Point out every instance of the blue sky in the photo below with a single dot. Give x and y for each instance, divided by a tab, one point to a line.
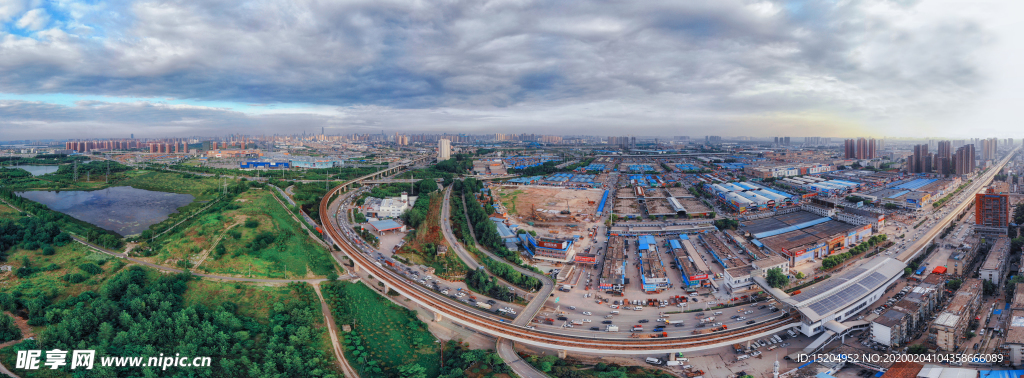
762	68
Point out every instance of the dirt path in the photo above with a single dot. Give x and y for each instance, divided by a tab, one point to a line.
329	319
202	256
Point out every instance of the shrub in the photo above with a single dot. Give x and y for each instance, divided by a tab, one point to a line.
91	268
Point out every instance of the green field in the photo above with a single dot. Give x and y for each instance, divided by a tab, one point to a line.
173	182
275	246
384	336
7	212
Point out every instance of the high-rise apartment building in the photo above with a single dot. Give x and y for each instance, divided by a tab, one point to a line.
988	149
963	160
860	148
991	212
444	149
850	149
920	161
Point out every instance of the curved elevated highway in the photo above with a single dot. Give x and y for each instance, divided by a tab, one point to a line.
444	307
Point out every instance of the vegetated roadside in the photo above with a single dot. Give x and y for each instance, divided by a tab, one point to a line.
570	368
422	244
388	340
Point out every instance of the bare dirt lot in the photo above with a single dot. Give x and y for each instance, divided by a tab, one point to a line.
548	201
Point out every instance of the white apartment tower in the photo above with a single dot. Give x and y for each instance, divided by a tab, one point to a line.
444	149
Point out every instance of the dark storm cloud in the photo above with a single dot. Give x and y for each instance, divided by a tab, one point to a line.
726	57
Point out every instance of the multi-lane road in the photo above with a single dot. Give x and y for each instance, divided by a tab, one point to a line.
921	242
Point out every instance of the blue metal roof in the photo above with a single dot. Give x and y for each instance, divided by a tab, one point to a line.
912	185
791	228
674	243
384	225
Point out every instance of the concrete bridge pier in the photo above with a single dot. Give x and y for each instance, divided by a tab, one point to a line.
437	316
561	354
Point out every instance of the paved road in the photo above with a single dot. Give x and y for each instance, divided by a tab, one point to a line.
923	241
446	229
507	352
531	310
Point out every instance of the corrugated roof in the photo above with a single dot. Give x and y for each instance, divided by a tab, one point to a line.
791	228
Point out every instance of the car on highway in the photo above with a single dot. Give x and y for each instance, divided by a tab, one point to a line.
751	322
606	322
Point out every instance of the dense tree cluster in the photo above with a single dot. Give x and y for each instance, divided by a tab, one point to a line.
458	359
458	164
140	314
415	216
30	233
560	368
482	282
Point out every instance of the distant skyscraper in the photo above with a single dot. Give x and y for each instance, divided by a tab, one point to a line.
444	149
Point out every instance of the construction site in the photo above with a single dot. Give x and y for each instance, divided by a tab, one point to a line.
549	207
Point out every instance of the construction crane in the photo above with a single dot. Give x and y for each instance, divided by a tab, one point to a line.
566	211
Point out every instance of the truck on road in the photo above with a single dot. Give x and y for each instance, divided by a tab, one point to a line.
483	305
611	328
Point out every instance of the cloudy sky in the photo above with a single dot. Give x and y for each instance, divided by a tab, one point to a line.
897	68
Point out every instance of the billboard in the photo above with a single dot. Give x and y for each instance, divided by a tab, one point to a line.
699	277
551	243
586	258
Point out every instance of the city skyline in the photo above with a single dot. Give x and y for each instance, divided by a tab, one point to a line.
867	69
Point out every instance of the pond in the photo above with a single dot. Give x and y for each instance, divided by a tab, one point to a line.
38	170
122	209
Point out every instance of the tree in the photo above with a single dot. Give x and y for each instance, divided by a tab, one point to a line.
8	329
954	284
412	370
989	287
776	278
917	349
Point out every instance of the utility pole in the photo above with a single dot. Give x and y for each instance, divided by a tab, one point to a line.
107	178
76	170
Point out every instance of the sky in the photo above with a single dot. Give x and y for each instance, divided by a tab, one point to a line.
880	68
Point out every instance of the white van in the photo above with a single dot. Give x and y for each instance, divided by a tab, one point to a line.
685	367
653	361
615	312
743	357
718	313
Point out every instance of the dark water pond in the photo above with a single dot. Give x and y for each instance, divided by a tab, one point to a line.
122	209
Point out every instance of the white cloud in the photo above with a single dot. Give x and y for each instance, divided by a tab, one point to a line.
34	20
10	8
542	65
